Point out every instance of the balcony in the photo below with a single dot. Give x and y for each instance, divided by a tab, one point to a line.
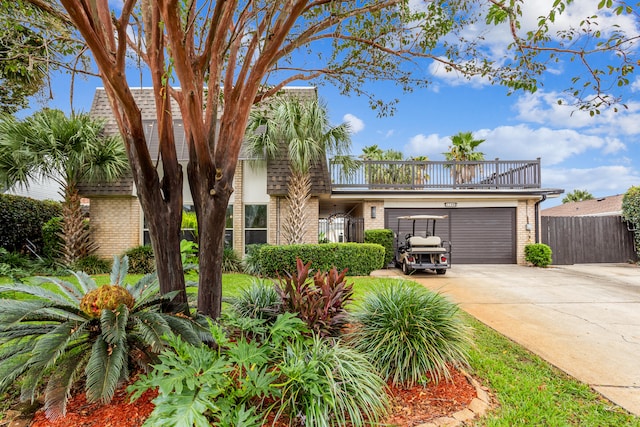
376	175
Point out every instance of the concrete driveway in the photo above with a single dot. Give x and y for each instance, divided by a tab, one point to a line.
584	319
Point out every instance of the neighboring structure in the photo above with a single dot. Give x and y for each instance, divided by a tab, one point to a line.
492	206
603	206
589	231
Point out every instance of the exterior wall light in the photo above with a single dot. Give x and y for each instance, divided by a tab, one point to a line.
373	211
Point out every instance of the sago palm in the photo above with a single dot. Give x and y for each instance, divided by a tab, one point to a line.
49	145
55	332
299	130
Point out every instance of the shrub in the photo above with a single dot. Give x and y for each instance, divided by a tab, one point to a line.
329	384
360	259
63	330
52	240
92	264
231	262
320	302
141	260
189	221
21	220
631	212
237	383
259	300
383	237
538	254
251	260
409	333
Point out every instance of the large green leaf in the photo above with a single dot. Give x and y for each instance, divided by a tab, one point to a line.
39	292
52	345
151	327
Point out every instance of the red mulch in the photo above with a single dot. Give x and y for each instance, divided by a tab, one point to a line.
409	407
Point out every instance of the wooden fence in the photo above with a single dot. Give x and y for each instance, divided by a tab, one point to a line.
588	239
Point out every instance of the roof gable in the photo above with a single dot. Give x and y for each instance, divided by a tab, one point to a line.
603	206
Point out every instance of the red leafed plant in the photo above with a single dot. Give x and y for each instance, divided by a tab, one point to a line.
320	302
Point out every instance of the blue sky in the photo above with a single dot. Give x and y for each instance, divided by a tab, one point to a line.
600	154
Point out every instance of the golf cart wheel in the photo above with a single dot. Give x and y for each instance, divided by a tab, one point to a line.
441	271
406	269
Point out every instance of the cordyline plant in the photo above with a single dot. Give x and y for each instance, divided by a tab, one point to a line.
55	332
319	302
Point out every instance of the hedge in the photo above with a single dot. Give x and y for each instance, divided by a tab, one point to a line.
22	218
360	259
382	237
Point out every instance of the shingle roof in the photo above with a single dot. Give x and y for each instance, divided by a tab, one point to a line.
603	206
278	170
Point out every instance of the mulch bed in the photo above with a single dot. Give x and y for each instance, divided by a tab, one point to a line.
409	407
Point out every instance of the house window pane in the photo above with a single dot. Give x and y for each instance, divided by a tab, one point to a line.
255	224
255	216
252	237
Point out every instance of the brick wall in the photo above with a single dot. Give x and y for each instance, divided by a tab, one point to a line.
238	210
377	222
277	213
115	223
525	214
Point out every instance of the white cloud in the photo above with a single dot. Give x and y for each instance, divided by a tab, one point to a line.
635	86
543	108
553	146
455	78
355	123
599	181
422	145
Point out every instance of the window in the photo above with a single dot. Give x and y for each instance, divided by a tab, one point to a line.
228	228
255	224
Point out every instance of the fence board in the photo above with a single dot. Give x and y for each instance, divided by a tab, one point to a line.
588	239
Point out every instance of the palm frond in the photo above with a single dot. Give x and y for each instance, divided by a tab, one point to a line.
54	344
15	311
114	324
61	381
119	270
144	288
73	292
151	327
13	367
104	369
24	330
85	282
38	292
185	327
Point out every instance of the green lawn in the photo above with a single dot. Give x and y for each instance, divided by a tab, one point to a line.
530	392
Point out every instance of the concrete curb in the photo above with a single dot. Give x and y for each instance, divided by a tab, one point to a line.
476	409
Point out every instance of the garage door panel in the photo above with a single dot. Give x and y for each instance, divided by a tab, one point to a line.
477	235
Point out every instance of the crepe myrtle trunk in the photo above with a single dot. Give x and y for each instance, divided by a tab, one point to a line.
211	228
161	202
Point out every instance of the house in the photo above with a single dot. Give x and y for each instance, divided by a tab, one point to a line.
602	206
492	206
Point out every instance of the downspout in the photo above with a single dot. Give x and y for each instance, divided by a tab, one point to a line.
536	208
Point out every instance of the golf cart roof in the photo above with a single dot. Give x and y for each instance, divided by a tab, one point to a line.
415	217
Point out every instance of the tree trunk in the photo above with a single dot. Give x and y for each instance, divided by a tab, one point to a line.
294	228
211	227
161	202
75	235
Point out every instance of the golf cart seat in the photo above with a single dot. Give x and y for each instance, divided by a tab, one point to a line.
431	244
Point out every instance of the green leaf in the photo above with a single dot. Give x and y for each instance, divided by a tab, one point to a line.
113	324
106	366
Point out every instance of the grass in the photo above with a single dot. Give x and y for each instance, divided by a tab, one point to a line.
530	392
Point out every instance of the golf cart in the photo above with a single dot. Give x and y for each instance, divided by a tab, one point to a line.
421	249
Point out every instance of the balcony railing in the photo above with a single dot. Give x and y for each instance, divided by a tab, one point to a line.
430	175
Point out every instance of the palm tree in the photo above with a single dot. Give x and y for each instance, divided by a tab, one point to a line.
300	129
577	196
48	145
462	149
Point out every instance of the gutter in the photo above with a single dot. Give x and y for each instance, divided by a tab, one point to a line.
536	208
